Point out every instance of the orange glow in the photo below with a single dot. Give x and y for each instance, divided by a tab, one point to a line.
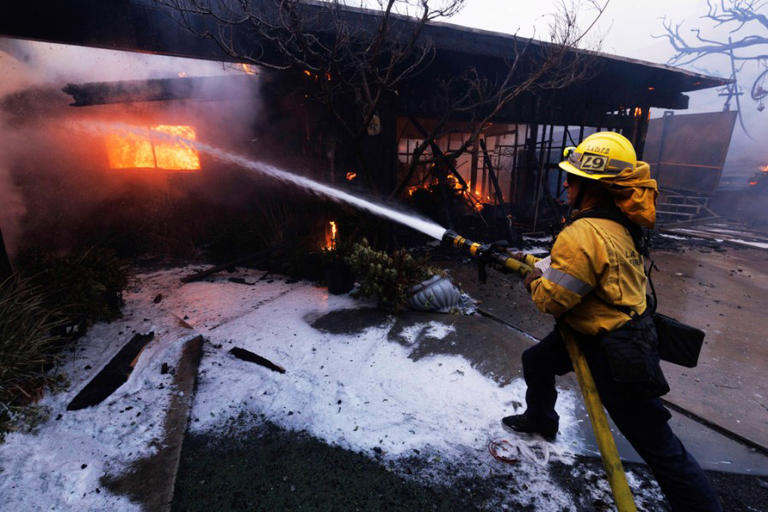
764	168
413	189
182	74
317	76
140	150
475	198
752	183
247	68
651	88
351	175
330	236
638	111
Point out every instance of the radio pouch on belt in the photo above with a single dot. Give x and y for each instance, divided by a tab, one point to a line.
678	343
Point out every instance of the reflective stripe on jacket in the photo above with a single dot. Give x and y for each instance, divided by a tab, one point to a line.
594	264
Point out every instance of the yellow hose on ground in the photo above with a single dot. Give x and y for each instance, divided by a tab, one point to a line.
610	455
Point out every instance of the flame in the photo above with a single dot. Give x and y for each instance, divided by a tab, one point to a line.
413	189
330	236
638	111
247	68
182	74
764	168
139	150
752	183
351	175
317	76
475	198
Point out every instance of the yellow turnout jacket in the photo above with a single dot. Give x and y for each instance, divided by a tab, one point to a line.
594	265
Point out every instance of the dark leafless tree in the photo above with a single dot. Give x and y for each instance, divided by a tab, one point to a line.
357	60
350	55
746	21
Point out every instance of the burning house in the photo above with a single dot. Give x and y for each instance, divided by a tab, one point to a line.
441	128
266	165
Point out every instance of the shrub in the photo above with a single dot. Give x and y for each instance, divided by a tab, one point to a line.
84	287
386	276
26	346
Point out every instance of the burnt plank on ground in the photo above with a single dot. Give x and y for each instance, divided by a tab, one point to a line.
111	376
247	355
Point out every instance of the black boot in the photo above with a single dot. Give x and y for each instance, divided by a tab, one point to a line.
522	423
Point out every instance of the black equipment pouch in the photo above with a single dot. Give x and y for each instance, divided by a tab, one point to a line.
632	352
678	343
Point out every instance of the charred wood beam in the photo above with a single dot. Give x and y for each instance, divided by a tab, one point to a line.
143	25
113	375
437	151
499	194
230	264
247	355
198	88
131	25
523	111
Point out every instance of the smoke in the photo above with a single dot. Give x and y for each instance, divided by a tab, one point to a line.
53	181
15	76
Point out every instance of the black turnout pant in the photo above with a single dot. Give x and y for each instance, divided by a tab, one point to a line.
642	421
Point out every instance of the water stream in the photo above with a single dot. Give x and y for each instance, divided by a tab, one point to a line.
413	221
425	226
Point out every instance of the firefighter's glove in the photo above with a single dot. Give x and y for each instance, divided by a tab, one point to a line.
531	277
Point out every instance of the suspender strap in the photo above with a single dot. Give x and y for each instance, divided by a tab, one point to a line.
614	214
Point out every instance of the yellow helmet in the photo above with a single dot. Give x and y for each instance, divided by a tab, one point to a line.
601	156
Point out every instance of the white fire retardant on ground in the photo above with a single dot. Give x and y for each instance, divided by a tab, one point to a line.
359	391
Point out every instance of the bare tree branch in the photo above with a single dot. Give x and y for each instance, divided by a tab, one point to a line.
353	67
740	16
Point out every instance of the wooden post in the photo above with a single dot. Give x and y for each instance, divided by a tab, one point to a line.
499	196
531	166
473	168
642	131
5	263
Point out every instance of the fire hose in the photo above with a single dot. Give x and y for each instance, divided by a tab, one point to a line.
496	256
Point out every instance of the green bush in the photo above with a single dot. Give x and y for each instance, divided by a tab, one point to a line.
84	287
27	346
386	277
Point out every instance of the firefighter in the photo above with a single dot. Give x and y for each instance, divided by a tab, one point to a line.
595	283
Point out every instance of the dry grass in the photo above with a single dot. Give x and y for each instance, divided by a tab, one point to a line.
26	346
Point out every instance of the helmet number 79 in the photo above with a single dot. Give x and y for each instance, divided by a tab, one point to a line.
591	162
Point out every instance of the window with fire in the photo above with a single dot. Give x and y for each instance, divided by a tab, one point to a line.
162	147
